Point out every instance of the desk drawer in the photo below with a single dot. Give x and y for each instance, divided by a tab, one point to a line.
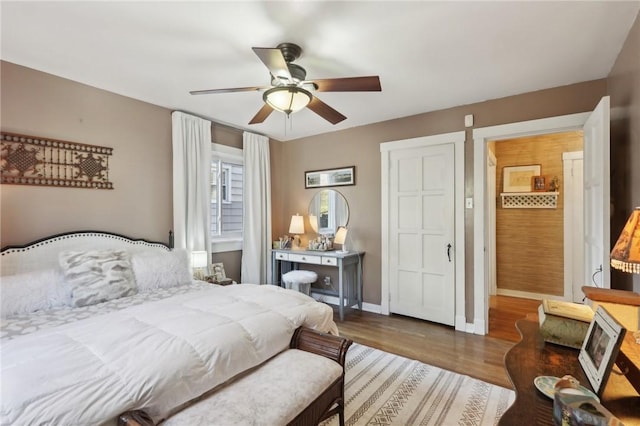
333	261
305	258
282	256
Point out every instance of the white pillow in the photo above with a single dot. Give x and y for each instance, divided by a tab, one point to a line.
159	269
32	291
97	276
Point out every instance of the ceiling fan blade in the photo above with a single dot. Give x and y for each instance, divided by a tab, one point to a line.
349	84
274	60
325	111
262	114
233	89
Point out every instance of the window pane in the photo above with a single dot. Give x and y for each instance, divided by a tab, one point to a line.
226	204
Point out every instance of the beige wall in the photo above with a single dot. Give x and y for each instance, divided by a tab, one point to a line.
361	147
39	104
530	241
623	85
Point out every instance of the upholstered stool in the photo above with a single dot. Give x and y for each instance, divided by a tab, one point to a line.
299	280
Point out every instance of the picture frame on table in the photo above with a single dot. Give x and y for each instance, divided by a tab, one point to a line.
217	272
600	348
342	176
518	178
539	183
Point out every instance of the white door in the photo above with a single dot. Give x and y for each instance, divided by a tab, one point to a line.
573	178
421	233
596	197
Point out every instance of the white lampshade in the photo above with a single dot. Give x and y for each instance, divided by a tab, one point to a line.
297	225
287	99
341	237
199	259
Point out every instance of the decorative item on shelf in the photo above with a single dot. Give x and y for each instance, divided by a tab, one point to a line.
341	238
554	184
538	183
296	227
199	264
518	178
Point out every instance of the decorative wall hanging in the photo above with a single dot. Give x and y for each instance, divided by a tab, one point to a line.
31	160
331	177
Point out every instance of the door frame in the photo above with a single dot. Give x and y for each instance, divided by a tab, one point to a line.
457	139
569	205
481	136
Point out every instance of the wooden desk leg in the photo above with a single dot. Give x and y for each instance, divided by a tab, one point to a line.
359	281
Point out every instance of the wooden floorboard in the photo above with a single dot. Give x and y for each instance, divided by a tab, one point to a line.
439	345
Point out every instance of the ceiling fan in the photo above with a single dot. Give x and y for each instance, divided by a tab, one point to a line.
290	92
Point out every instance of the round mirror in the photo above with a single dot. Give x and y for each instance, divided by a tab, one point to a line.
328	210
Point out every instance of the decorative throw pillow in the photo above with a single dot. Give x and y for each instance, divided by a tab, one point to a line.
32	291
97	276
159	269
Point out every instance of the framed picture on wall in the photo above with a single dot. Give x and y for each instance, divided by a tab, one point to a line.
518	178
331	177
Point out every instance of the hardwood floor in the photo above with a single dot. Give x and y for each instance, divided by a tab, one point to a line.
477	356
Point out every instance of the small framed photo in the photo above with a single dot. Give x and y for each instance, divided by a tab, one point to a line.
217	272
600	348
331	177
538	183
518	178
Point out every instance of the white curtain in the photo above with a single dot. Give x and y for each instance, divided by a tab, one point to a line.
191	182
256	235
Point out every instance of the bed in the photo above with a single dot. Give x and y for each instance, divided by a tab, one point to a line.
96	324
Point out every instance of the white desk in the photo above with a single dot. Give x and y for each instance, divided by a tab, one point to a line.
349	265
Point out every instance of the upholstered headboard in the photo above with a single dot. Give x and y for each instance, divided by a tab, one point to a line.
43	254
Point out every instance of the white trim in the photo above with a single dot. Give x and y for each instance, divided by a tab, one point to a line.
480	138
223	245
568	213
227	153
457	139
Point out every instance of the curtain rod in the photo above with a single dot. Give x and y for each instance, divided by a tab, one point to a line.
221	124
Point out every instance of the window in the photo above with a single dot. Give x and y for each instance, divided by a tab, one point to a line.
226	198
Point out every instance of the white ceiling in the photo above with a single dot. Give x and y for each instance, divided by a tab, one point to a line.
429	55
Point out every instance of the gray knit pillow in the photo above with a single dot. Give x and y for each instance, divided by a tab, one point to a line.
97	276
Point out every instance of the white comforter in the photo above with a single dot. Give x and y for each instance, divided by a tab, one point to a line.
154	356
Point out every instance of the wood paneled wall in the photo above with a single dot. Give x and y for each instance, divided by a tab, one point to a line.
530	242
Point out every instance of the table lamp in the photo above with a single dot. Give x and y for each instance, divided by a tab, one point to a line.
199	263
625	256
626	253
296	227
341	238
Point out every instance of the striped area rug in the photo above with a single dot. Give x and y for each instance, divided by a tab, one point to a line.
385	389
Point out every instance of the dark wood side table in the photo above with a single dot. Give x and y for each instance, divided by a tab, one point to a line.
533	357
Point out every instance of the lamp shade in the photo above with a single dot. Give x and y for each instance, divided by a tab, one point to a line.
341	235
626	253
297	225
287	99
198	259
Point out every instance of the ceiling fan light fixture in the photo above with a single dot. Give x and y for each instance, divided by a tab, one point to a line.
287	99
